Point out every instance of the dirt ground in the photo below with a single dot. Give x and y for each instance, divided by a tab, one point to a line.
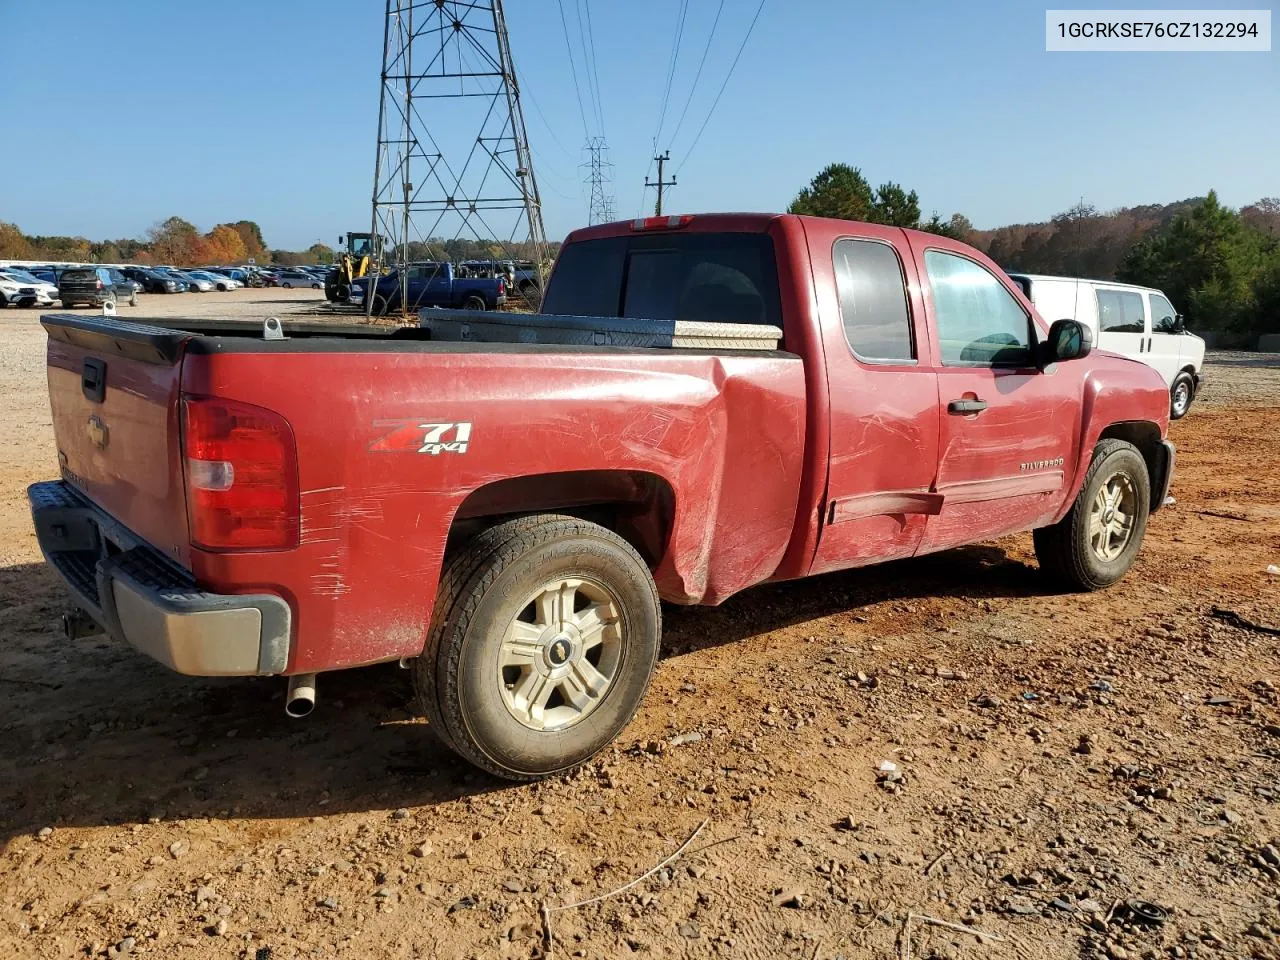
1059	757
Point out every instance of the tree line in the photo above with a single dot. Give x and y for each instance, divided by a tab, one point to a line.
177	242
1219	266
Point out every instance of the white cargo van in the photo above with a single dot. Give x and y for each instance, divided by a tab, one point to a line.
1137	322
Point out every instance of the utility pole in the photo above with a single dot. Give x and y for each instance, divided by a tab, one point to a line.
660	183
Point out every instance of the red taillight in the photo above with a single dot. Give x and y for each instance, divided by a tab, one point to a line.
502	287
661	223
241	473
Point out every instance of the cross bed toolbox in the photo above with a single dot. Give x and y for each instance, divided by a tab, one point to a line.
500	503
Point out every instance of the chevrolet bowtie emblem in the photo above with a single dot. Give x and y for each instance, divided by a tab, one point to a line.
97	432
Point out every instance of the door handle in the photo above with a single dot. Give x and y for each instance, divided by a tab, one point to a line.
966	406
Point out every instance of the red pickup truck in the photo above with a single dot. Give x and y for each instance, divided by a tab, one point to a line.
755	398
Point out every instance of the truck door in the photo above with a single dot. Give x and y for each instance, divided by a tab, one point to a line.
883	398
1007	430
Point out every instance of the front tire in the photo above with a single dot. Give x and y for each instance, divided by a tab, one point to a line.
543	640
1095	544
1181	393
133	298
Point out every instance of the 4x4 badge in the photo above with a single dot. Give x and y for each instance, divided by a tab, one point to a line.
415	436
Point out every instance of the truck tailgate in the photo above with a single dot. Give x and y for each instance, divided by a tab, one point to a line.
114	390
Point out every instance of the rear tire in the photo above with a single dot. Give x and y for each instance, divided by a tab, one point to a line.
133	298
68	304
287	286
1095	544
543	639
474	302
1181	393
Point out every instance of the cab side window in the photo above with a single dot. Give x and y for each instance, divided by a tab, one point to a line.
1120	311
1164	319
979	321
873	301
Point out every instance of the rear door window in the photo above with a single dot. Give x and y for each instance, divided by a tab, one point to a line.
873	301
702	277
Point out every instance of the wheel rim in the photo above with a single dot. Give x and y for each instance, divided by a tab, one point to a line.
1112	517
1181	395
559	656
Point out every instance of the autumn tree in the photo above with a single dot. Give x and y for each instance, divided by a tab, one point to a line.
251	236
13	244
175	241
320	253
223	244
1263	216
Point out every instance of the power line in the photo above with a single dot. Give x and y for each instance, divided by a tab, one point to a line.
671	67
698	74
577	88
594	76
720	93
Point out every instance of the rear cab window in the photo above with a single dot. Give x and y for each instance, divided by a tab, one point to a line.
697	277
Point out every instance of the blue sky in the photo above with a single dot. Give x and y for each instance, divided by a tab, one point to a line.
140	109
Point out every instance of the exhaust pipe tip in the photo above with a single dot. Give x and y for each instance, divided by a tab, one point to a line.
300	699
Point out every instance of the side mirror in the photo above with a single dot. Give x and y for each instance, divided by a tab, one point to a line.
1068	340
1179	324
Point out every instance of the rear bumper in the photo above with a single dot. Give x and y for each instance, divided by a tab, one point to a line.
137	595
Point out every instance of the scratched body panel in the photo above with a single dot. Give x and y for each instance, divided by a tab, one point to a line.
725	433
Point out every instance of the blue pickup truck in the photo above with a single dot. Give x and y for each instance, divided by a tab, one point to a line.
430	284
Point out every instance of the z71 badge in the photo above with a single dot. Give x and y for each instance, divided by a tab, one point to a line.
415	436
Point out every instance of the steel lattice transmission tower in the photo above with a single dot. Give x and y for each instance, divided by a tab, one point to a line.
599	172
453	157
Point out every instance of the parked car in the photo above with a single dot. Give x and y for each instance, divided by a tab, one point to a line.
194	284
298	278
95	286
15	292
1135	322
153	281
217	280
430	284
235	273
504	517
32	292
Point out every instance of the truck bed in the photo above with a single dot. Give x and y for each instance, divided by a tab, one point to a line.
399	433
